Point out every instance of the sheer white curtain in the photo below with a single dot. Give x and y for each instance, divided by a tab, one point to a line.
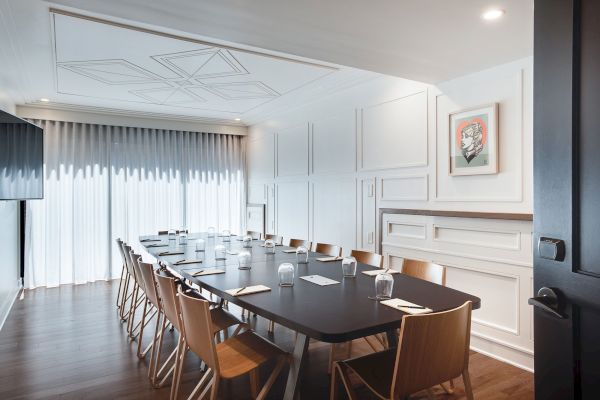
107	182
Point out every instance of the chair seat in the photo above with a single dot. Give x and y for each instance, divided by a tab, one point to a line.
243	353
222	319
375	370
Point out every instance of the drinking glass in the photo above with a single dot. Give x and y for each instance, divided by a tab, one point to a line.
172	234
183	237
247	241
286	274
302	255
200	245
226	235
211	231
384	284
183	229
269	246
244	260
220	252
349	267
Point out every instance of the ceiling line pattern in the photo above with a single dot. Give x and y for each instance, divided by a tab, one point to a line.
191	82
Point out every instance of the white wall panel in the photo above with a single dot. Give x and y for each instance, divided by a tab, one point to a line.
367	216
257	193
292	152
260	157
334	144
292	210
334	212
394	134
402	188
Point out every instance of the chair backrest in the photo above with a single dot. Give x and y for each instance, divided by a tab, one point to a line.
136	269
366	257
120	245
300	242
328	249
178	231
432	348
127	254
198	330
425	270
167	293
254	235
277	239
147	272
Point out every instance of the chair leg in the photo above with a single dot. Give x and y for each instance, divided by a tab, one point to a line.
215	388
254	381
132	308
271	328
467	380
334	392
157	335
201	385
124	297
120	287
140	339
450	389
179	359
343	371
265	389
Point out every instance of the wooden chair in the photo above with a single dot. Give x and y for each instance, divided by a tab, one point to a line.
277	239
425	270
432	348
328	249
149	299
123	294
138	296
366	257
254	235
300	242
167	289
239	355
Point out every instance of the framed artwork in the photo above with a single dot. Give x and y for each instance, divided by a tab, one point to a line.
474	141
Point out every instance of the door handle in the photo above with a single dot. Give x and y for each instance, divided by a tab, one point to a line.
547	300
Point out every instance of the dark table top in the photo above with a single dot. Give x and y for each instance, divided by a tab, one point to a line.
334	313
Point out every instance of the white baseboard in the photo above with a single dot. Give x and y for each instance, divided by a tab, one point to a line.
508	354
8	303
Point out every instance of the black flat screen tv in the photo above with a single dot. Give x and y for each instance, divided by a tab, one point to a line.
21	159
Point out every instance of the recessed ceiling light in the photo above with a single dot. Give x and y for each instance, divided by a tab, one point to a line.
238	119
492	14
44	100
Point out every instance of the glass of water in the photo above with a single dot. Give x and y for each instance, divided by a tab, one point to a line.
172	234
244	260
200	245
349	267
183	237
226	235
247	241
302	255
220	252
211	231
286	274
269	246
384	285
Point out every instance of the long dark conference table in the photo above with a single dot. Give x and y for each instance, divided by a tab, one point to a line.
334	313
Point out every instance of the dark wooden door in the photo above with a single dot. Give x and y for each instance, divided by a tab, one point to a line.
567	199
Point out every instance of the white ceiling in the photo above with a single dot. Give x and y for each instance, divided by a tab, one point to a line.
204	60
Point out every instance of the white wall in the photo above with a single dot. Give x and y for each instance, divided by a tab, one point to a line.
9	262
383	144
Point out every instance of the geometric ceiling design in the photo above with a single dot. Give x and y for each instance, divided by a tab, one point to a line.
116	63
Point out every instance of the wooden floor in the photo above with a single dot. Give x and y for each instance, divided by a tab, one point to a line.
67	343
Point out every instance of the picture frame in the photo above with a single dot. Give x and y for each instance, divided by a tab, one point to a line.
473	141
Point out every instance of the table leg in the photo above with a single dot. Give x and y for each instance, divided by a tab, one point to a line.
392	338
300	350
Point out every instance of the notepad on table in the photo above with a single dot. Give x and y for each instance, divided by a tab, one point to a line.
276	244
406	306
158	245
373	272
289	251
248	290
170	253
150	240
204	271
329	259
233	253
183	262
319	280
